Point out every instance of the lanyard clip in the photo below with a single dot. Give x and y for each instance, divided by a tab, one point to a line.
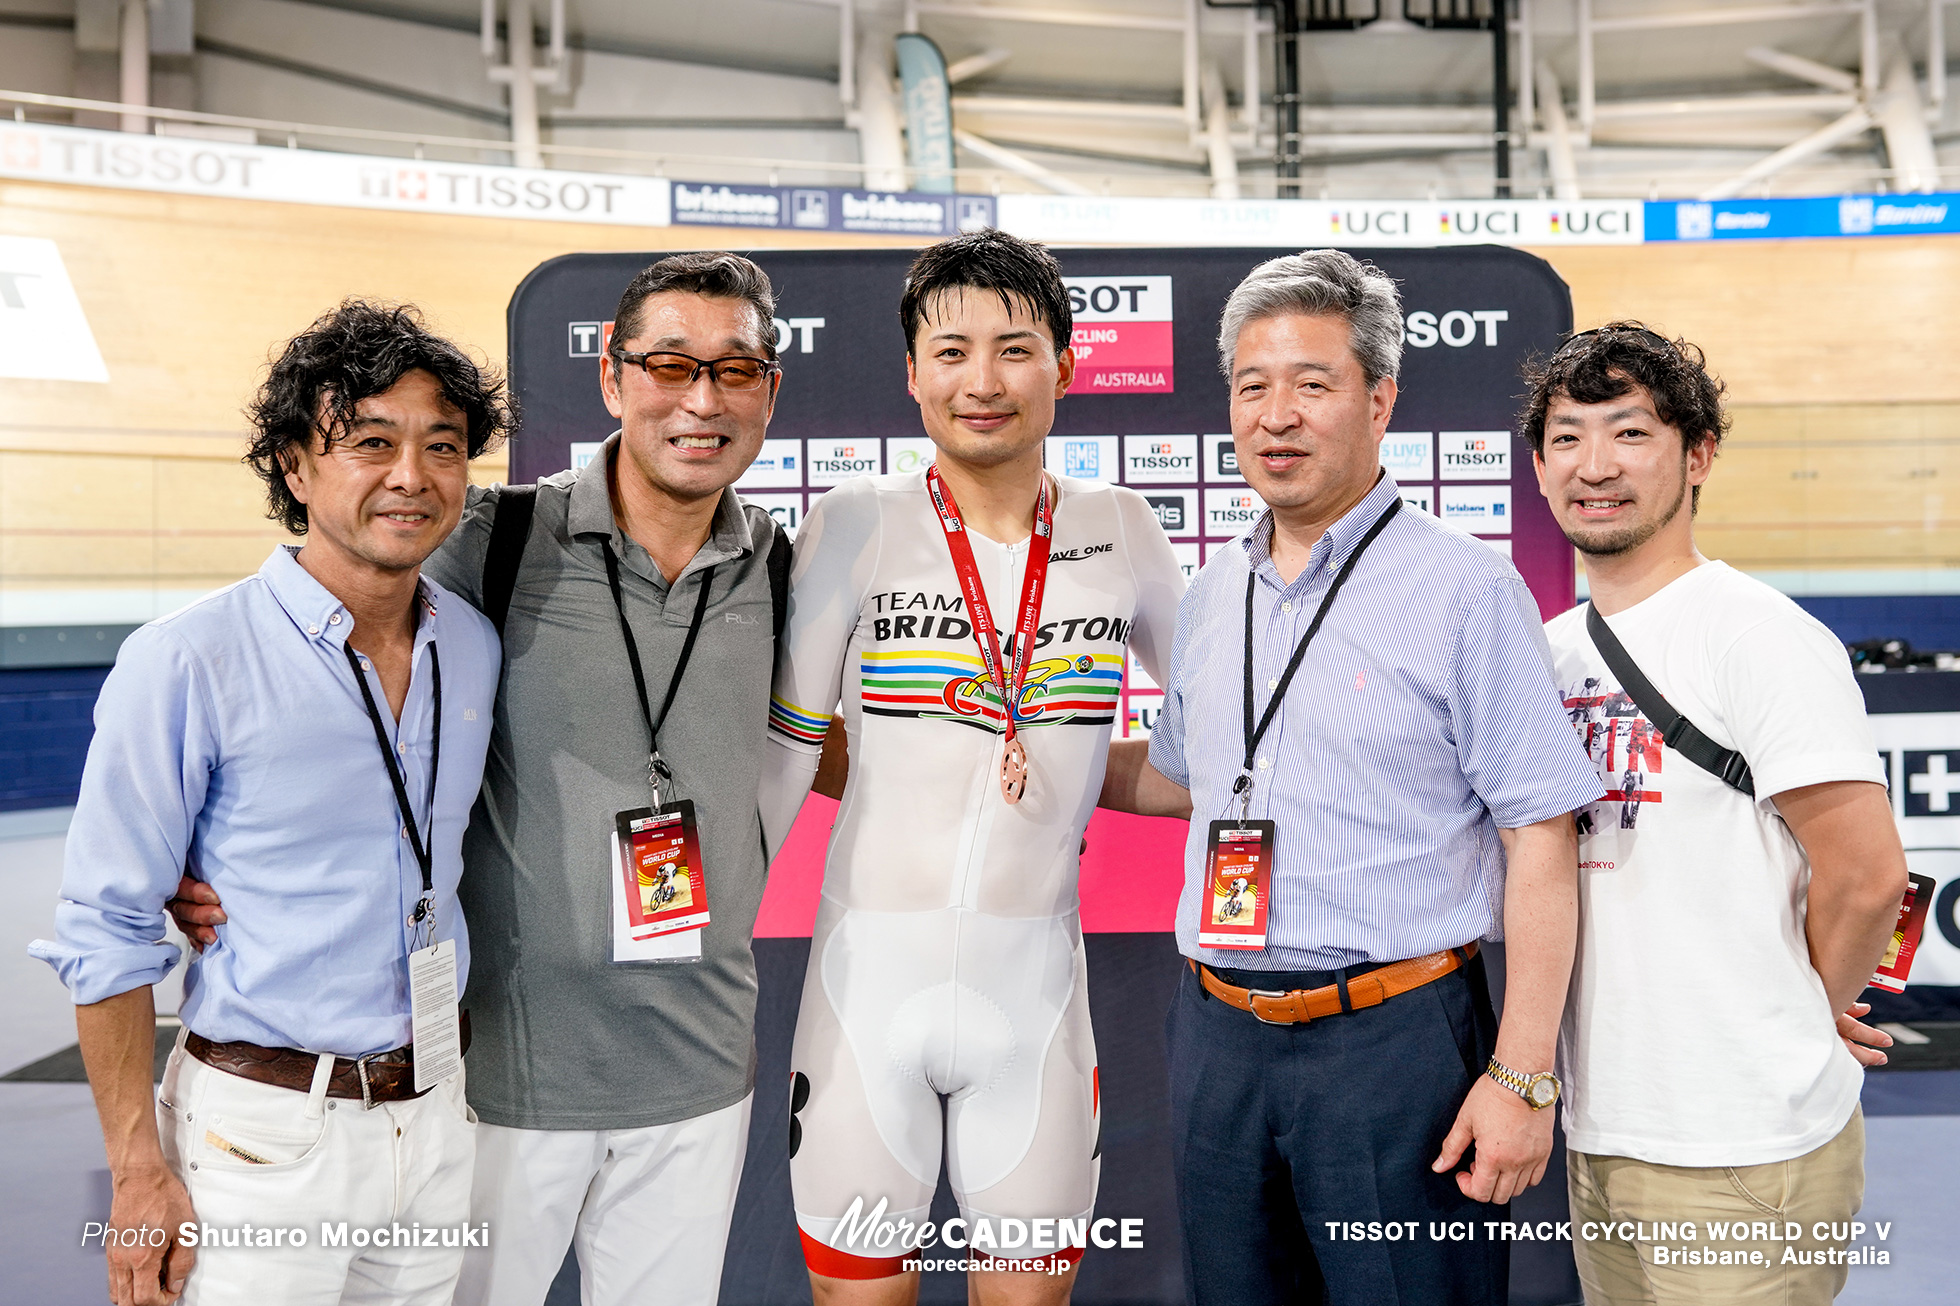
1243	788
422	923
657	771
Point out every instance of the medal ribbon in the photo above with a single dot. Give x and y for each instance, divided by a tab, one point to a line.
1035	580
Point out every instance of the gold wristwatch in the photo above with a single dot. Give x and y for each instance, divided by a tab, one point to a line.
1538	1091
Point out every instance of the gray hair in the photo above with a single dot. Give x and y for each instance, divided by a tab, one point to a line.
1316	282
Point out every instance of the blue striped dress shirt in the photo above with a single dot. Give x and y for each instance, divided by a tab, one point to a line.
1424	717
230	739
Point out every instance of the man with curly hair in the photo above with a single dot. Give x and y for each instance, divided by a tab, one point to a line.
1737	884
309	742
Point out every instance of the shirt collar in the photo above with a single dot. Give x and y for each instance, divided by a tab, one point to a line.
590	511
1336	544
320	616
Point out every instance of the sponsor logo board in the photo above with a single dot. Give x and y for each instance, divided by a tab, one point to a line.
1479	509
1231	510
909	453
1475	455
1176	510
1221	461
1409	455
787	509
1122	335
832	462
1160	458
1083	457
778	466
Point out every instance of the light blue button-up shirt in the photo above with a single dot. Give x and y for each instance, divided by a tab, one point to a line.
1424	717
231	740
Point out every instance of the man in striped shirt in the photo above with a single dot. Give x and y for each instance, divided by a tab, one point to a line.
1335	1061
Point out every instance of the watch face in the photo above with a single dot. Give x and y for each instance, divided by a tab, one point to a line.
1544	1092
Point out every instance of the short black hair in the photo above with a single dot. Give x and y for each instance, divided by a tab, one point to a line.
715	273
359	350
1608	362
989	260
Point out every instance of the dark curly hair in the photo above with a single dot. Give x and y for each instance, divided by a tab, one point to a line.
1607	362
988	260
359	350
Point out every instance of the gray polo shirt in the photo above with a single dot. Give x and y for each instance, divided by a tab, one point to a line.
562	1038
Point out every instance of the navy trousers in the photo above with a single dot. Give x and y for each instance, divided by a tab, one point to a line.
1278	1131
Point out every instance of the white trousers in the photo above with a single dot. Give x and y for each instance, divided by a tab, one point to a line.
258	1158
646	1209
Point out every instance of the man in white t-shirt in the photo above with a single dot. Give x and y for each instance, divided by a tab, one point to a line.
1710	1051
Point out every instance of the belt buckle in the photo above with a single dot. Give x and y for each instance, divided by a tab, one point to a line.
1273	993
360	1069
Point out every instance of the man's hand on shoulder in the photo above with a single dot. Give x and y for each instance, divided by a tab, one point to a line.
149	1198
197	912
1513	1143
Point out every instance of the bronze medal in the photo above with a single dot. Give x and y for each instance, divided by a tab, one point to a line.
1013	771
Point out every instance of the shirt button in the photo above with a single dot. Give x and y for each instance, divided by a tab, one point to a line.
402	749
405	828
334	620
1286	607
1265	762
1273	683
312	630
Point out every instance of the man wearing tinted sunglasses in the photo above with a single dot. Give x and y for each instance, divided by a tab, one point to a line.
613	1060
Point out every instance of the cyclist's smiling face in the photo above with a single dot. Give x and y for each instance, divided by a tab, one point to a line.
986	374
693	441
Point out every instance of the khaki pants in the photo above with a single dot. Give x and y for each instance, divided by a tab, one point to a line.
1827	1184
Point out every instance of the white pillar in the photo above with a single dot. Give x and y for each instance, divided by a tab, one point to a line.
881	142
1901	116
135	63
1218	137
1558	135
523	89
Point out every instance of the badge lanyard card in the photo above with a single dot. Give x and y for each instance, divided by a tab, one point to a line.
1232	909
1006	680
659	880
434	1026
1896	964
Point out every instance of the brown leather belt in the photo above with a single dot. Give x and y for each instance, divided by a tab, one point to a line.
1298	1006
381	1077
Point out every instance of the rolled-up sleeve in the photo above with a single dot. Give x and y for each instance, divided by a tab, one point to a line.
1515	744
143	787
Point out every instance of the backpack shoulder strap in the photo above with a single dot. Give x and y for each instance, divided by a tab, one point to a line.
779	557
1677	732
506	551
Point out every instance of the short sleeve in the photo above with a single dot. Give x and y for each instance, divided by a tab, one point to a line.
1167	736
1788	696
457	563
1159	585
1515	745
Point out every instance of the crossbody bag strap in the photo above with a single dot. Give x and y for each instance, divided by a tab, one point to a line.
1677	732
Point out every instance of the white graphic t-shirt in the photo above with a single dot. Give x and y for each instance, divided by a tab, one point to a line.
1696	1031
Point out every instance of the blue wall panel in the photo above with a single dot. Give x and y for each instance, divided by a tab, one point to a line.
1926	621
46	722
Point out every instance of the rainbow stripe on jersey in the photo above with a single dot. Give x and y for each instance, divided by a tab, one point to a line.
798	723
939	685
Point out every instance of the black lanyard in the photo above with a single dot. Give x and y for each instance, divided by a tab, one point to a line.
424	852
1243	785
657	769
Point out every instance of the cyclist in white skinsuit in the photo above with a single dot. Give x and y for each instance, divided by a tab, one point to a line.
947	955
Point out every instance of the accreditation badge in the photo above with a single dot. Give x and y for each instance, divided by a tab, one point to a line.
1896	964
659	884
434	1026
1238	880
